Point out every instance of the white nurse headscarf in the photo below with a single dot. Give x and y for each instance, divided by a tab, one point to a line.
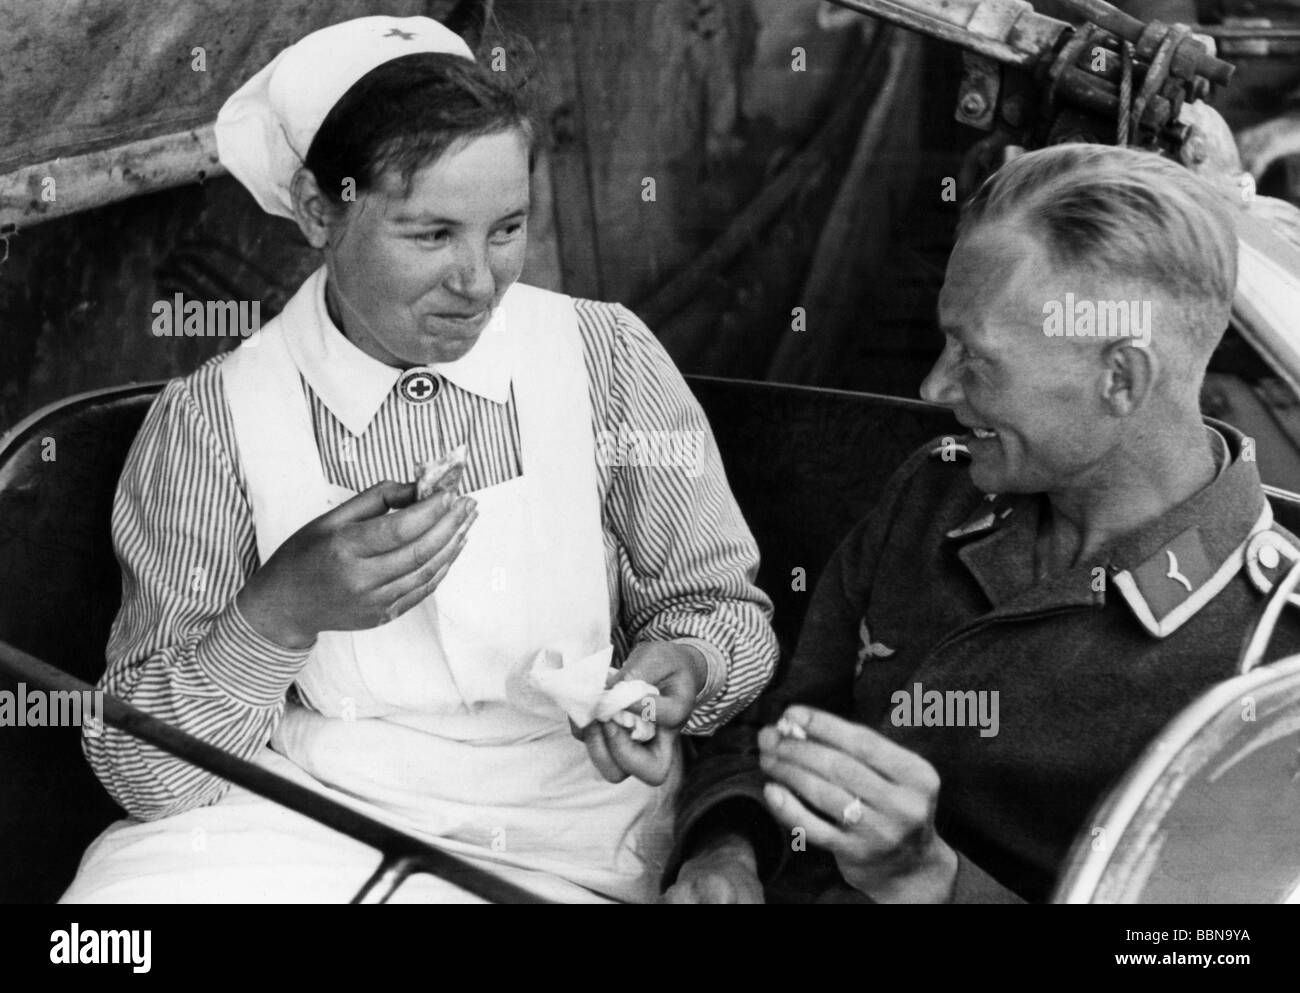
265	129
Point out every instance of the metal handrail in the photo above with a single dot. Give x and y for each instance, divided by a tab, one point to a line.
402	854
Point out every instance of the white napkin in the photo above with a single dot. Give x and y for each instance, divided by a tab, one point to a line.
550	684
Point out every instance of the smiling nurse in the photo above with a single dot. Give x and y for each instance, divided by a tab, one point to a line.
417	272
373	641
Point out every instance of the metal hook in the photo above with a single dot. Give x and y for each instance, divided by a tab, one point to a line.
1260	635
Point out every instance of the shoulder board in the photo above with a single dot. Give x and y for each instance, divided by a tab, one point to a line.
1269	557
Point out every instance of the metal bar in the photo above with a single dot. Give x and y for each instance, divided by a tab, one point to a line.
379	887
940	21
1112	19
1220	32
1132	29
394	844
1243	48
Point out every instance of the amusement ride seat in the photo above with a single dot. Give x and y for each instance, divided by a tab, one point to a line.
805	465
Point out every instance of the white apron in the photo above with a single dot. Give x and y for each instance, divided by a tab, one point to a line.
410	720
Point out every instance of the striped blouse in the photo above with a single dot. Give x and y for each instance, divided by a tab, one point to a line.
680	559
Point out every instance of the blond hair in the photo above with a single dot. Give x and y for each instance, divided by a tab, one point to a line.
1127	215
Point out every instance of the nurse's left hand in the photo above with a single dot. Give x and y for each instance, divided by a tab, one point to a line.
680	672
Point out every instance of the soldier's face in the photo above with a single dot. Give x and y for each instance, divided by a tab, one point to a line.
1032	402
414	277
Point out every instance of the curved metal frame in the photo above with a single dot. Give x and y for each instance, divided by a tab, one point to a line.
15	435
1085	866
402	854
1261	632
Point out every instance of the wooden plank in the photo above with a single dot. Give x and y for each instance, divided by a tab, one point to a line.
47	190
549	26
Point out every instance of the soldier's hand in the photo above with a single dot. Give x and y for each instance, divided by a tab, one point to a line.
357	566
866	800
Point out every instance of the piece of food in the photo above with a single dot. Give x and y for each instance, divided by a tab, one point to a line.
440	475
789	729
638	727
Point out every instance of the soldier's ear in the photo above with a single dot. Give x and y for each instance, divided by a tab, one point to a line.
1130	375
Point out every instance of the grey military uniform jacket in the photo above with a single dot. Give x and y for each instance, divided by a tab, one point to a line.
935	591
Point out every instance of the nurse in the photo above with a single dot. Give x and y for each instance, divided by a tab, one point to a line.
283	587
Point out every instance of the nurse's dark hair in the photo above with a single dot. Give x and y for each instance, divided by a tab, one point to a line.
408	112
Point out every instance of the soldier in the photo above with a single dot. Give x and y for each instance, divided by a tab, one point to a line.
1027	607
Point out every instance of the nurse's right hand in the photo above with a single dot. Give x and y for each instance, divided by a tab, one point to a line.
357	566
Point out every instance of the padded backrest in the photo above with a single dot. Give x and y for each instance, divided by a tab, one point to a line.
805	466
58	472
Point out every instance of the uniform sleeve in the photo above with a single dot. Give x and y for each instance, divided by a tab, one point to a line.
723	788
686	558
974	885
179	649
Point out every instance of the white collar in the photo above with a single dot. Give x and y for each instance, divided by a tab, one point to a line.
354	385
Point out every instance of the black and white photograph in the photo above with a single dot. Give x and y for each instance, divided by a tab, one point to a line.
666	452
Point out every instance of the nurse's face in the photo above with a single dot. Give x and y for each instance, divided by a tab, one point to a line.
413	279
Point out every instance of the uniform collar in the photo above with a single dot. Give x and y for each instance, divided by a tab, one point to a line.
354	385
1165	571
